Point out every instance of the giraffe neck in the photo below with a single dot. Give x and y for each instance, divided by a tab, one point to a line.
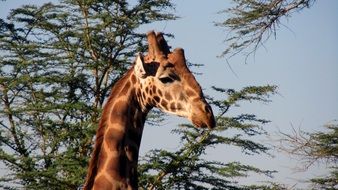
114	160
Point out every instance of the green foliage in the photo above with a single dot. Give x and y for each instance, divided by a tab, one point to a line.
325	145
328	182
315	147
252	22
57	64
186	168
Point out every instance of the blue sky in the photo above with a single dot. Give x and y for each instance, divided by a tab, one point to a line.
302	61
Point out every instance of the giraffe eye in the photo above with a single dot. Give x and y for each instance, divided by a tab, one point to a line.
166	80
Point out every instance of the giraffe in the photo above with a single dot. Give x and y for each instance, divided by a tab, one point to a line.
160	79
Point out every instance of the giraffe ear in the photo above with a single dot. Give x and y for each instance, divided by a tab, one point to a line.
139	68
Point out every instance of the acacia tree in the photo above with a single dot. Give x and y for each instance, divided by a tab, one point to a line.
252	22
58	63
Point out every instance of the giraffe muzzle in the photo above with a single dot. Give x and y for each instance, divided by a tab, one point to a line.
204	118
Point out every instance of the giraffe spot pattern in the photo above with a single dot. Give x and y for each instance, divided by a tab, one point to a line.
102	183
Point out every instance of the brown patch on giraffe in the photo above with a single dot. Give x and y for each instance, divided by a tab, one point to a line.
167	96
133	79
119	109
179	106
103	183
154	88
118	170
196	99
157	99
164	103
181	97
191	93
113	138
172	106
152	103
149	100
125	89
159	92
113	168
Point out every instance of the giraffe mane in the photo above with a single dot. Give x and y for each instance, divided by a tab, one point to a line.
92	168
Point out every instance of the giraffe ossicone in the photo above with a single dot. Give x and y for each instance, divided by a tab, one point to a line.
159	79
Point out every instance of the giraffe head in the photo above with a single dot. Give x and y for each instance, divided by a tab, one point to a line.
166	82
